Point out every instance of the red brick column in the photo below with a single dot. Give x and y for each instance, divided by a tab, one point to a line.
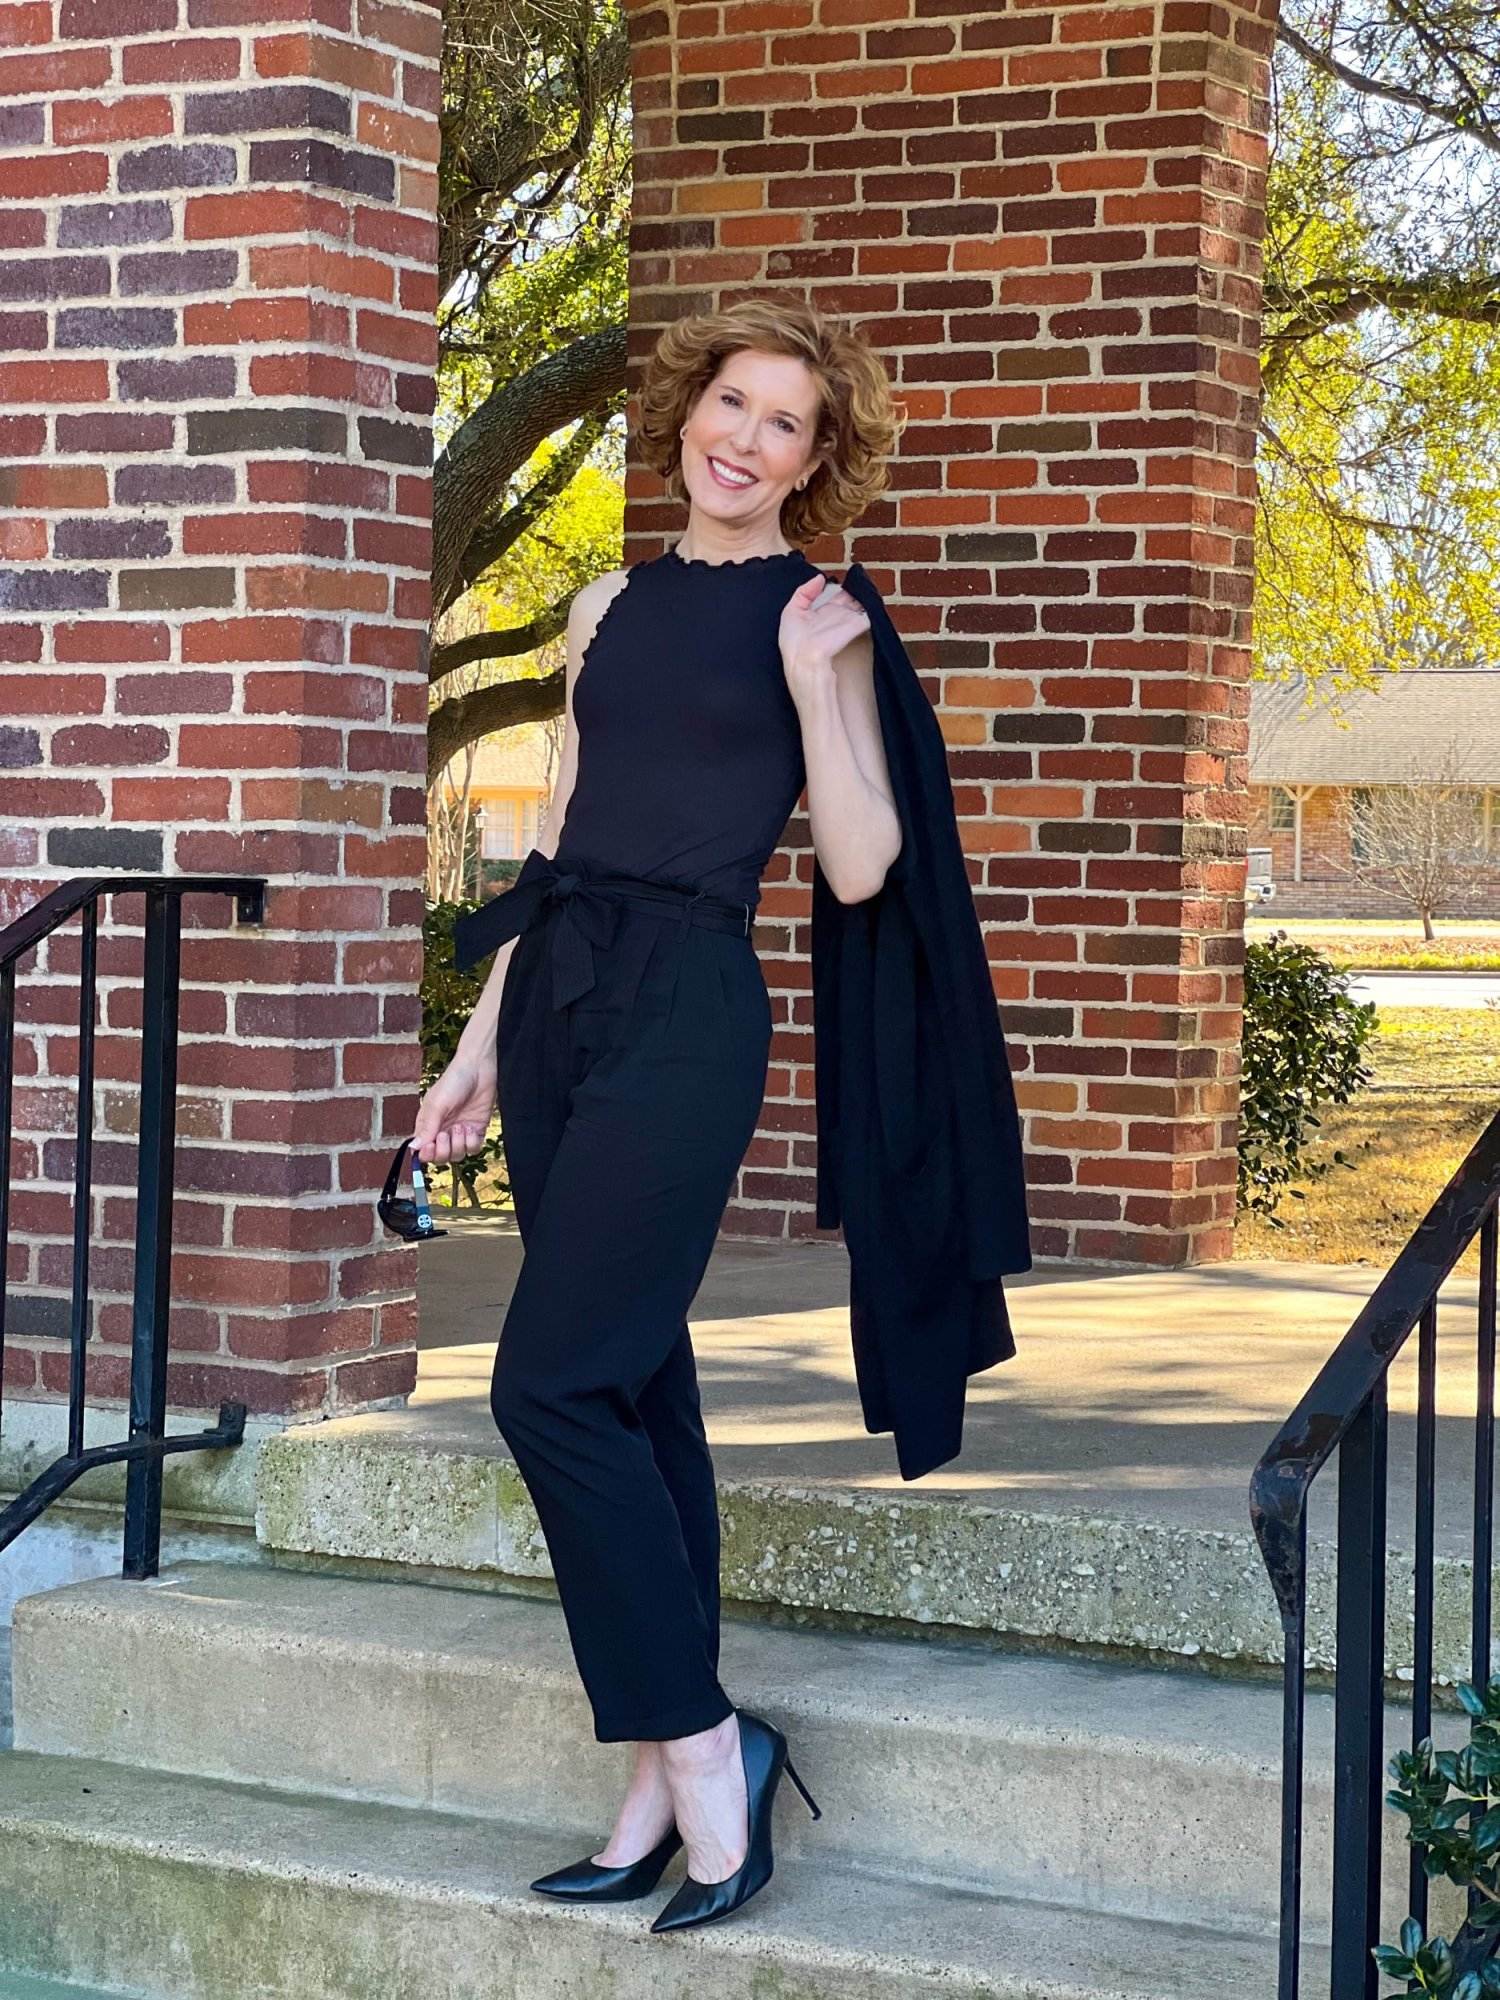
1047	218
216	366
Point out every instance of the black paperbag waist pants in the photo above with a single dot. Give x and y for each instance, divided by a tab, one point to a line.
625	1109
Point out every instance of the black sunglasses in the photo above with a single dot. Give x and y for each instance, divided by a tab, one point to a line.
407	1215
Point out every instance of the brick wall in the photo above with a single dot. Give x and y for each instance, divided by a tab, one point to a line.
216	356
1047	218
216	328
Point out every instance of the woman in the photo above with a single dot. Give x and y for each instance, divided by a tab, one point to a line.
626	1030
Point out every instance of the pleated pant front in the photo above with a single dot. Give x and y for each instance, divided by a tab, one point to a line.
625	1115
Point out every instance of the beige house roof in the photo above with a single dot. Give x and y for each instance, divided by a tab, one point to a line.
1409	725
517	757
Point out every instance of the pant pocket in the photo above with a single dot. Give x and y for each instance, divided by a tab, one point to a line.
742	992
726	992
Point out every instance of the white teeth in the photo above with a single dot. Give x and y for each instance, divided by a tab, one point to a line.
734	478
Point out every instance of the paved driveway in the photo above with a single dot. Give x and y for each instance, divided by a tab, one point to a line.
1426	989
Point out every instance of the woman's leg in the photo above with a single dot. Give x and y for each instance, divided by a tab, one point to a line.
534	1075
616	1250
595	1388
672	1413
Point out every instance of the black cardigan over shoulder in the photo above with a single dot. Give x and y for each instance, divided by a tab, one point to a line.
919	1143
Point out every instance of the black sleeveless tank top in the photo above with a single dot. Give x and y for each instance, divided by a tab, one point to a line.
689	742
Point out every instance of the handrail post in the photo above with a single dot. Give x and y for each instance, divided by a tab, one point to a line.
1293	1715
79	1327
153	1229
1359	1700
147	1445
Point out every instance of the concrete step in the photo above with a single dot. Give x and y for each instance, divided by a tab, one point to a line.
23	1986
380	1492
1115	1789
206	1890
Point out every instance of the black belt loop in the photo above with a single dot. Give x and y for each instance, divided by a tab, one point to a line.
689	907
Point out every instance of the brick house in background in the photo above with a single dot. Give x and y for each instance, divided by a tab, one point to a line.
511	785
1307	770
508	787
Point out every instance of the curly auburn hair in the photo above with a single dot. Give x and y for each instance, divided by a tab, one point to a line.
857	423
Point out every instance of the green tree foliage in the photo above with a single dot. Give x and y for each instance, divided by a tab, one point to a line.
534	192
1379	528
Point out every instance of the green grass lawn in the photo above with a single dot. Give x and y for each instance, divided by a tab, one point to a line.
1379	946
1436	1086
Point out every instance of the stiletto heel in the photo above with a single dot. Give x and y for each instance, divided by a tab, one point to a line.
763	1753
811	1803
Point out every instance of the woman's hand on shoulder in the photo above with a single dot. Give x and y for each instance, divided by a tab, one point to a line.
821	621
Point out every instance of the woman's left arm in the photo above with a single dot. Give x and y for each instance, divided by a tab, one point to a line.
828	657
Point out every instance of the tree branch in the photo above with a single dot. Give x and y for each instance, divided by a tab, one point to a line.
506	645
487	162
492	538
500	436
1455	116
1322	303
467	717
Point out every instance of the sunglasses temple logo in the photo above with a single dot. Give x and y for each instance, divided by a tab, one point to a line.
405	1216
419	1188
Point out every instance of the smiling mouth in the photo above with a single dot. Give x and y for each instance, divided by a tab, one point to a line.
727	476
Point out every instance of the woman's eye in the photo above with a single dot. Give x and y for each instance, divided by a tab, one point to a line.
786	423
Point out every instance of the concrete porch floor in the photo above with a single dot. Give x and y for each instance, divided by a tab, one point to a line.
1144	1395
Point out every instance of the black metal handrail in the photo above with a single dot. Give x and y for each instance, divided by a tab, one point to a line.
1345	1410
147	1445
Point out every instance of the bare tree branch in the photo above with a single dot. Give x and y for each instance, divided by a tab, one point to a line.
1467	116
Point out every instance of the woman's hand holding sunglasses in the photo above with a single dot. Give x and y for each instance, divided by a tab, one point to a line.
452	1121
454	1116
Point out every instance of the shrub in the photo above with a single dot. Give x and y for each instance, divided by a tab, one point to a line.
1304	1039
448	998
1451	1801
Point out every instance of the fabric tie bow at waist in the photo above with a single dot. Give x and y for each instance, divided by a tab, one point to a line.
588	916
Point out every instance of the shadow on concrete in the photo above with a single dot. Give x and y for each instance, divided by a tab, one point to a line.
1147	1395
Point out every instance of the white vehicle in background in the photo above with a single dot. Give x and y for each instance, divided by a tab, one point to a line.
1259	887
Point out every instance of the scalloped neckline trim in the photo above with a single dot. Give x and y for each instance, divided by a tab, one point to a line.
730	562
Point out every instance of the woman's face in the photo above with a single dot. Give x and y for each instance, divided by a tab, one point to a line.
758	417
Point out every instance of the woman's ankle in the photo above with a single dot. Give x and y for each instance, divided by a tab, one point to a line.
705	1750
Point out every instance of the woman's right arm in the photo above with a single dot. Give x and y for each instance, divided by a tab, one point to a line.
454	1115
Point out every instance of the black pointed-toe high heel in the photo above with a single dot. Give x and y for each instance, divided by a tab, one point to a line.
589	1881
763	1753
